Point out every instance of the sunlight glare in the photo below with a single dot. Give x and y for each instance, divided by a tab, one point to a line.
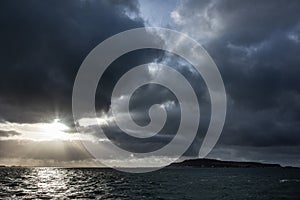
55	130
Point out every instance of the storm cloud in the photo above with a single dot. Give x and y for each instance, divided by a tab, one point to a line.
255	45
42	46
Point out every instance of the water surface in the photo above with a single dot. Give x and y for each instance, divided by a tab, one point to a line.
202	183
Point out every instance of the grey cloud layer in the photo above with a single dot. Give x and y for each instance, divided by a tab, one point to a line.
255	44
8	133
42	46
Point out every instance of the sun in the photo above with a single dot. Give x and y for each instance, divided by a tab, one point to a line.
56	125
55	130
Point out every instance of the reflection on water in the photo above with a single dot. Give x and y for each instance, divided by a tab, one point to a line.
50	181
58	183
30	182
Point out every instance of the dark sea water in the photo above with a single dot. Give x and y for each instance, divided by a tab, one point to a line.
203	183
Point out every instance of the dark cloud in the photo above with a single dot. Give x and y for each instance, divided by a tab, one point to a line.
256	48
8	133
255	44
42	46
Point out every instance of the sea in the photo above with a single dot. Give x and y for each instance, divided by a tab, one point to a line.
182	183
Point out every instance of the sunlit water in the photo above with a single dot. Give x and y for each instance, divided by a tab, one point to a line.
204	183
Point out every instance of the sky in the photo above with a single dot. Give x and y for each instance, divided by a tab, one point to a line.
255	45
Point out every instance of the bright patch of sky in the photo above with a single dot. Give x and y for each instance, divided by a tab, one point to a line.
157	12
